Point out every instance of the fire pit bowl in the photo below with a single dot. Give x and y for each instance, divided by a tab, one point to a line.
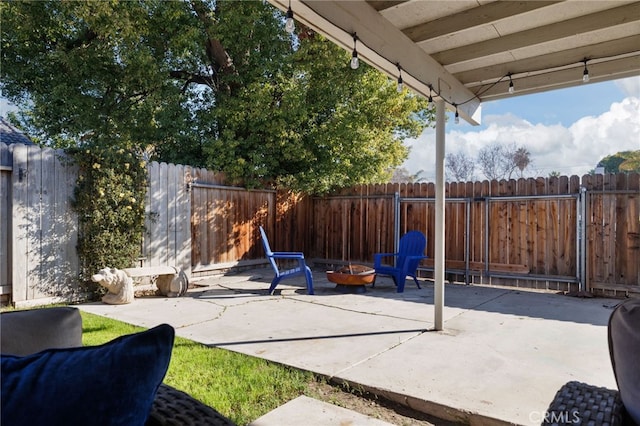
352	278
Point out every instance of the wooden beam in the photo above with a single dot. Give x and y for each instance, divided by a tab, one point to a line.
380	5
558	60
470	18
383	46
547	33
599	72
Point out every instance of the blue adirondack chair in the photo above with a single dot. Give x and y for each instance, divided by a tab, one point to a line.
301	269
407	259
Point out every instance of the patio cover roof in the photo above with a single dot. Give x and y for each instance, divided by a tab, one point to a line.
465	50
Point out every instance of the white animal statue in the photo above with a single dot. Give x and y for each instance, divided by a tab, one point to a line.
118	283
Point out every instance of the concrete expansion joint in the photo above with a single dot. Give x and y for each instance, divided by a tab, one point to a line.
341	308
377	354
475	307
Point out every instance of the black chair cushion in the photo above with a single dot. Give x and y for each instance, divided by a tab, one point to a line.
624	347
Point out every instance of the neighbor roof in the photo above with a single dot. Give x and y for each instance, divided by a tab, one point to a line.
11	135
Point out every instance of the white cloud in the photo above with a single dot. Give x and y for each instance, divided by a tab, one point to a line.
572	150
629	86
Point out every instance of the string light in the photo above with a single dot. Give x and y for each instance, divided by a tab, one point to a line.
485	88
290	24
585	73
399	88
355	62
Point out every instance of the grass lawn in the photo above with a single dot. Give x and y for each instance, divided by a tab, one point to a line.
240	387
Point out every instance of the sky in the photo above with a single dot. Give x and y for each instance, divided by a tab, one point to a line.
566	130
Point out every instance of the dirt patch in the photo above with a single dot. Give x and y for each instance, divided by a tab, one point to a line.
370	405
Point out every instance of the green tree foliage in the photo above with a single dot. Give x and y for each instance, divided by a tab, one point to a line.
218	84
624	161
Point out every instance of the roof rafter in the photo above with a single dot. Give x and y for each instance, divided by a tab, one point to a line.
572	27
472	18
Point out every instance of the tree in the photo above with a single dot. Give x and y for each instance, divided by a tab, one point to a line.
460	167
624	161
402	175
216	84
501	162
491	162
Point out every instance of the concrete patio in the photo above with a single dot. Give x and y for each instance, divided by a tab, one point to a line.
500	360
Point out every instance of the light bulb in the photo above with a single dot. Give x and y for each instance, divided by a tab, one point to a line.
585	73
457	119
291	24
355	62
511	88
399	84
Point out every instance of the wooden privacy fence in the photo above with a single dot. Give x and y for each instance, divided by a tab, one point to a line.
38	258
555	233
39	231
552	233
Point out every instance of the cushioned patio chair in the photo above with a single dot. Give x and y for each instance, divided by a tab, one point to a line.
581	403
301	269
407	259
50	343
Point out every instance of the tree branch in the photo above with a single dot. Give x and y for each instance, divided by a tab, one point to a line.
87	37
190	78
220	60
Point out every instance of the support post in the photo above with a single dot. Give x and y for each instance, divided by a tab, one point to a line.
438	261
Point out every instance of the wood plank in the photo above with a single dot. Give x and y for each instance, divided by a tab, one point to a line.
552	238
5	225
469	18
183	214
632	240
171	192
541	237
20	225
48	240
72	260
34	214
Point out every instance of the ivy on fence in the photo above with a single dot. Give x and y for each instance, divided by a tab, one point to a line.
110	201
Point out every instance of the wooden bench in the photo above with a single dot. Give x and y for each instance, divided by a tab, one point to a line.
170	281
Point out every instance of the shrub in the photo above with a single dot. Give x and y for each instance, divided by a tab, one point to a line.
110	201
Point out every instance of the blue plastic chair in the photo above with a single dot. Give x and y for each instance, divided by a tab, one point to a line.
407	259
301	269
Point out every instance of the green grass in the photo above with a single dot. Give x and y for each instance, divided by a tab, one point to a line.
239	386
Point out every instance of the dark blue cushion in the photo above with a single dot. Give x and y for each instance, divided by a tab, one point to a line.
111	384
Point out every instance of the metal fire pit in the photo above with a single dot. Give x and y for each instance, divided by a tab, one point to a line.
352	278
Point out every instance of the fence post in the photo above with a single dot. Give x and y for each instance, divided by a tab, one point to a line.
581	233
467	231
396	225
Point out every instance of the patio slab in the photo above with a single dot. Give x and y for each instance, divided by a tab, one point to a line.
308	411
500	360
